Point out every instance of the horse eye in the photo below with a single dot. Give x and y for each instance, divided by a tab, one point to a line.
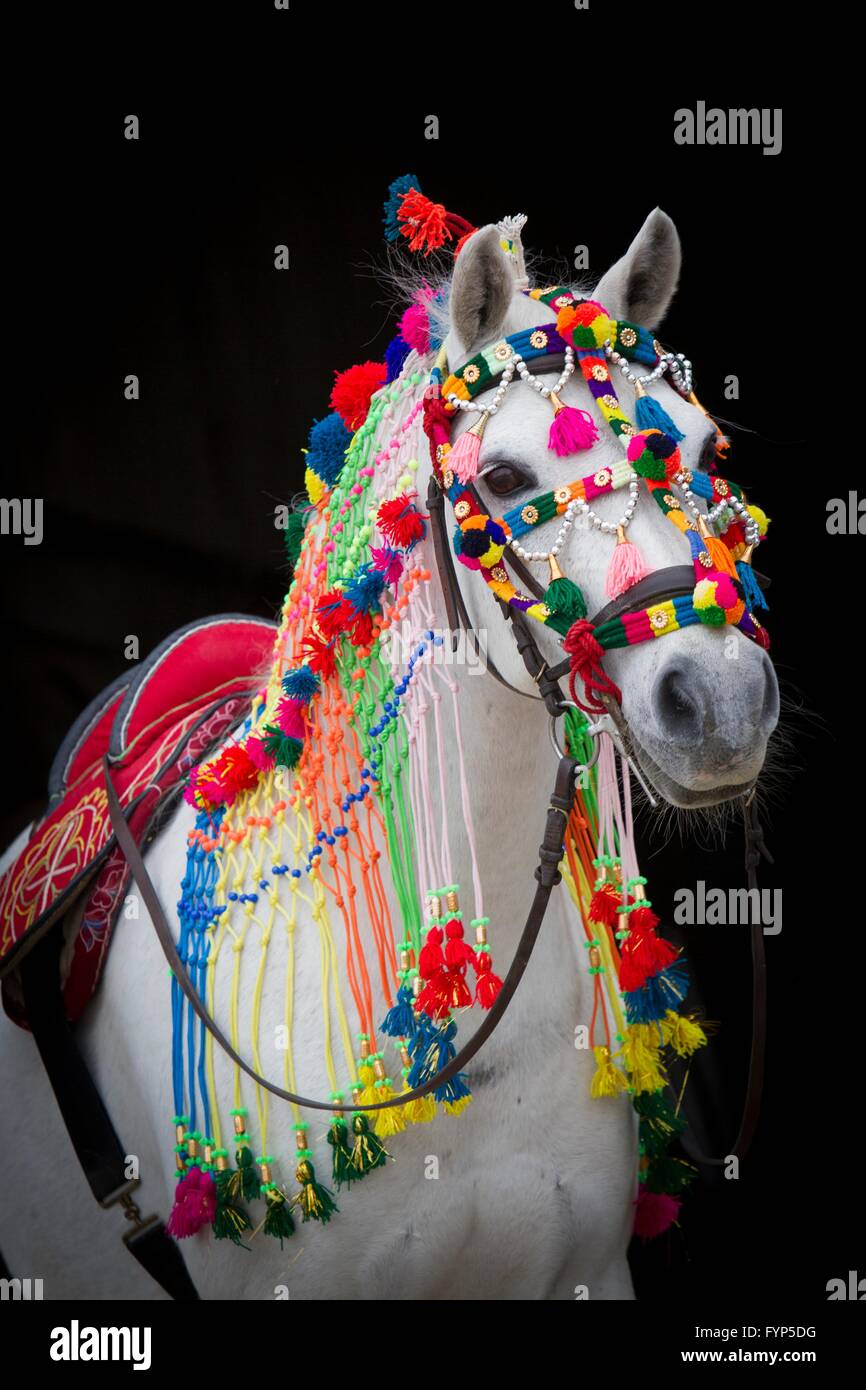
504	479
708	453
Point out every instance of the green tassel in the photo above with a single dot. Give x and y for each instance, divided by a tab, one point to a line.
244	1182
659	1123
368	1152
565	600
231	1220
284	749
296	524
341	1166
669	1175
278	1218
315	1201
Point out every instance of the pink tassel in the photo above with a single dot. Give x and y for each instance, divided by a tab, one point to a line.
572	429
194	1204
290	718
655	1213
463	459
626	567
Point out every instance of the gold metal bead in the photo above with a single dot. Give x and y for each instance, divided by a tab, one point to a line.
610	401
447	478
500	574
451	901
602	477
627	337
562	496
600	372
365	1048
462	509
705	560
240	1123
379	1069
502	352
265	1170
539	338
471	373
529	514
594	957
555	571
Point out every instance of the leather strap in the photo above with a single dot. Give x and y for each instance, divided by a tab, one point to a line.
547	875
755	851
100	1152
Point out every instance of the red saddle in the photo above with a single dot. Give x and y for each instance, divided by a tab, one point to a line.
155	723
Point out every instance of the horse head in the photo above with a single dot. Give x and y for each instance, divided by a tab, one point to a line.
700	706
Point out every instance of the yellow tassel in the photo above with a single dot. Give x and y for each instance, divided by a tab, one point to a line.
608	1079
367	1077
387	1122
642	1063
456	1107
420	1112
682	1033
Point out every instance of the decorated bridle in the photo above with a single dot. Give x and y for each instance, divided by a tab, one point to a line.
723	588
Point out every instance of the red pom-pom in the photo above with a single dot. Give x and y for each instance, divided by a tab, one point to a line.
320	655
235	770
353	390
400	521
423	222
333	613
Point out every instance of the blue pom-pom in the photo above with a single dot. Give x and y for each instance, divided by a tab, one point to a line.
649	415
392	203
364	589
660	993
328	442
395	355
301	684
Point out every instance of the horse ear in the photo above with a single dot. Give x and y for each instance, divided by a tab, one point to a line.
641	285
481	290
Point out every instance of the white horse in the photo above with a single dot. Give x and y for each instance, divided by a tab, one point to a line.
534	1184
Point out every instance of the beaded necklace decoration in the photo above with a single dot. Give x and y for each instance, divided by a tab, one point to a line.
326	793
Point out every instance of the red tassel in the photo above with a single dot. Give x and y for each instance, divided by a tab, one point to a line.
655	1213
603	905
457	951
586	658
431	960
487	985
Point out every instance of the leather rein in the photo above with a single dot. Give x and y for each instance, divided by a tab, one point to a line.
662	584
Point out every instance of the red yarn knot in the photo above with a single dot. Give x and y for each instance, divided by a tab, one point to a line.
586	655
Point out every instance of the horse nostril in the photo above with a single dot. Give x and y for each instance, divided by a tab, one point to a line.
678	704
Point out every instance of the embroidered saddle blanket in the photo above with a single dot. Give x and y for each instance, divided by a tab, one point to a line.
155	722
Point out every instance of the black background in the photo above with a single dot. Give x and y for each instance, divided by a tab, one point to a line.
156	258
